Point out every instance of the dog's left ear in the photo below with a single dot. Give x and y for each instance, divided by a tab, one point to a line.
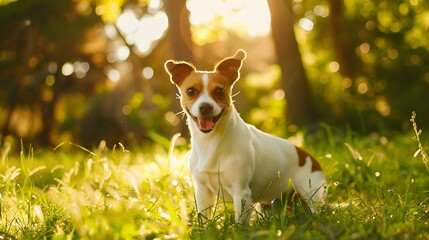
229	67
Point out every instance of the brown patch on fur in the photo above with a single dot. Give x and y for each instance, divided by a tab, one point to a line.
178	71
217	81
302	157
230	67
192	81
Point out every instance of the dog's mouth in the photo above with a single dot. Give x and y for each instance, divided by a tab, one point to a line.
206	124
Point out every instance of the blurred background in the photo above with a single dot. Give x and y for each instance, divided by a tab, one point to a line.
90	70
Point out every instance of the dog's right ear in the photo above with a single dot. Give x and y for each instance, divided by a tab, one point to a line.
178	71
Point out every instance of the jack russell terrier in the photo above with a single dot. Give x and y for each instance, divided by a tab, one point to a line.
230	159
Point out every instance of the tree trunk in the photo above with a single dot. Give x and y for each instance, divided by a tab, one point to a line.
299	108
48	110
179	31
342	43
179	35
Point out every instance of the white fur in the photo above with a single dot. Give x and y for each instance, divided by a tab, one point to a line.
205	78
205	98
246	165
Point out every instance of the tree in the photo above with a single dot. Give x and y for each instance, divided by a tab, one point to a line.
289	58
38	38
180	38
342	41
179	31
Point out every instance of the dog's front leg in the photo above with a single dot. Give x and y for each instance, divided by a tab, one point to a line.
242	205
205	201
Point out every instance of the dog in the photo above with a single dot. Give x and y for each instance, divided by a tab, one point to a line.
230	159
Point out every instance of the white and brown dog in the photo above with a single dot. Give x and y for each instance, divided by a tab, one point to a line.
231	160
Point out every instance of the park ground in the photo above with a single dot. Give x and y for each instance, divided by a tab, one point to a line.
378	189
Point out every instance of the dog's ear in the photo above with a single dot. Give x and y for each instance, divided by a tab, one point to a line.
229	67
178	71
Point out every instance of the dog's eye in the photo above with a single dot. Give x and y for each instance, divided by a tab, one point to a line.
219	92
191	91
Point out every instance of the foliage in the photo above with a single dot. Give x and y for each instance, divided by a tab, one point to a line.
376	62
416	138
57	56
378	189
71	71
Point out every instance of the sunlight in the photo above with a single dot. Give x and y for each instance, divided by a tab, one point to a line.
81	68
147	73
321	11
257	18
306	24
67	69
150	30
253	15
127	22
142	32
113	74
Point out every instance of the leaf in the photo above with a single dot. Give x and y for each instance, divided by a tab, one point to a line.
417	152
106	177
354	152
36	170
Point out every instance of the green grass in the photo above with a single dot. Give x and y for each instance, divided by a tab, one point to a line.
73	193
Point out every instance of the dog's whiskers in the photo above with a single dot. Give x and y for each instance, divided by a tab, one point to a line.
181	113
235	94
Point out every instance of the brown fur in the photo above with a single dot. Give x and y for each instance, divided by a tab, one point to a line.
302	155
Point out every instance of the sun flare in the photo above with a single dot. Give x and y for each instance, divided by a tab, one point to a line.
253	15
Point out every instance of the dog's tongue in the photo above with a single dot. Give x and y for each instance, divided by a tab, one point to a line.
205	124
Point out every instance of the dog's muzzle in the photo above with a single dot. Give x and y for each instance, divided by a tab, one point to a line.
205	122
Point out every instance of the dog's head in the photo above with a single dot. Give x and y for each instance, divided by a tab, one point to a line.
206	95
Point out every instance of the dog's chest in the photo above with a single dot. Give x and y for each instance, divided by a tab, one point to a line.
220	171
213	155
216	183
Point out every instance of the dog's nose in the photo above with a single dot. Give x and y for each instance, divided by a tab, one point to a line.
206	109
